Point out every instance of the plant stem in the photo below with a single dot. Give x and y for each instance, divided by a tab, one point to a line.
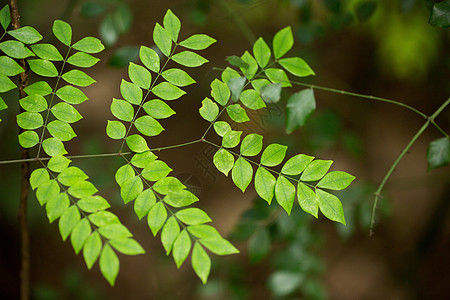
394	165
24	274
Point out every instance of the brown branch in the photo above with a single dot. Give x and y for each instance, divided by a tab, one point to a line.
25	185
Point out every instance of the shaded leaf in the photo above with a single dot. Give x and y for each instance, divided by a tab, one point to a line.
438	153
237	61
271	93
236	85
298	109
250	71
5	17
259	245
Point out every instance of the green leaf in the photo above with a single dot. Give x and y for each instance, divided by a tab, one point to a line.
57	206
242	173
172	25
82	189
38	177
149	58
103	218
93	204
438	153
38	88
92	248
156	170
209	110
144	202
204	231
316	170
108	31
158	109
140	76
61	130
307	199
278	76
148	126
79	235
261	52
141	160
123	56
189	59
219	246
298	109
236	85
47	190
220	92
169	233
167	91
192	216
330	206
136	143
127	246
71	175
15	49
237	62
250	71
83	60
2	105
71	94
273	155
26	34
162	39
63	32
252	100
284	282
271	93
156	217
114	231
123	18
251	145
43	67
265	184
336	180
9	66
131	92
201	263
198	42
77	77
177	77
6	84
231	139
68	221
58	163
365	9
181	248
28	139
109	264
180	198
47	51
440	14
131	188
122	110
89	44
30	120
221	127
168	184
285	193
229	73
296	164
282	42
5	17
66	112
237	113
224	161
296	66
259	245
115	130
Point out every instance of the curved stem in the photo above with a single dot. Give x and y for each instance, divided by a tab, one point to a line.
396	162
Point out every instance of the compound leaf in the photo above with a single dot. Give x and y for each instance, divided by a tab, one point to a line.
273	155
58	163
282	42
6	84
47	190
103	218
198	42
82	189
38	177
209	110
141	160
242	173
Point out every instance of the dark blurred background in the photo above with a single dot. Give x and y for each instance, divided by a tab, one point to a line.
384	48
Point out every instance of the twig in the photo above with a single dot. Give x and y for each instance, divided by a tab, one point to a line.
25	185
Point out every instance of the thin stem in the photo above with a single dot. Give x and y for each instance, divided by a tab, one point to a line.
394	165
177	145
25	185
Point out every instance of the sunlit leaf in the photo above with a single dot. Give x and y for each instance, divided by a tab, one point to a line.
177	77
197	42
316	170
158	109
296	66
209	110
251	145
43	67
172	24
109	264
156	217
181	248
265	184
136	143
89	44
307	199
122	110
223	160
115	130
252	100
77	77
167	91
296	164
15	49
131	92
282	42
237	113
139	75
162	39
71	94
47	51
201	263
148	126
63	32
26	34
149	58
330	206
84	60
189	59
242	173
273	155
261	52
285	193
